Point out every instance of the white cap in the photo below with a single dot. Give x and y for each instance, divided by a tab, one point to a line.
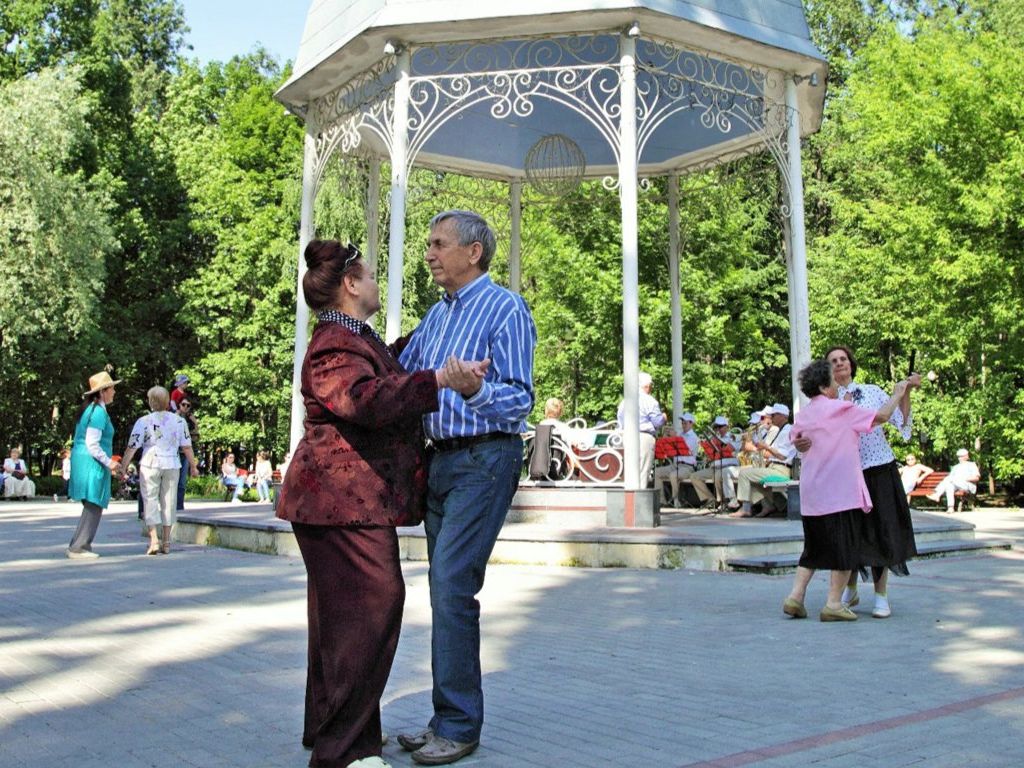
780	408
720	421
755	417
963	452
687	417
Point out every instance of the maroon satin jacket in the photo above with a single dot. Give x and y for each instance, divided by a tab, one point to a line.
362	459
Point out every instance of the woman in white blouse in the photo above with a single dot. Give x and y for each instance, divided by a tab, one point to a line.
887	532
16	481
160	434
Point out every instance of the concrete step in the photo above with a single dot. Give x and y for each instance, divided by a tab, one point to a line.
787	563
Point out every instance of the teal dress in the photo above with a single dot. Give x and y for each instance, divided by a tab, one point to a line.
90	480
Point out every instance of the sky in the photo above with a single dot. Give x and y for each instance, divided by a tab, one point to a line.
221	29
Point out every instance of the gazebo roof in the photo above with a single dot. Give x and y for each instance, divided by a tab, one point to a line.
724	57
345	37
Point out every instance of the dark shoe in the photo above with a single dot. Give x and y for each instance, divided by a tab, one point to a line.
442	751
410	742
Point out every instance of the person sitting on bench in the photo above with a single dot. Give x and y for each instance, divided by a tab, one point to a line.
912	473
961	477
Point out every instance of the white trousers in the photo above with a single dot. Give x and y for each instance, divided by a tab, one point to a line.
159	495
949	486
15	487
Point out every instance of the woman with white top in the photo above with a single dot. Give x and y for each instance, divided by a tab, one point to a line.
92	463
887	535
16	481
160	434
264	473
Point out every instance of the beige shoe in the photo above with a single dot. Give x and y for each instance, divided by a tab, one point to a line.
410	742
442	751
794	608
837	614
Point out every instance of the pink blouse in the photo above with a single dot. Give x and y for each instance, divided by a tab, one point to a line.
831	479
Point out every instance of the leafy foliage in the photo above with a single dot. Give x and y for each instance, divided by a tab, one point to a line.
162	198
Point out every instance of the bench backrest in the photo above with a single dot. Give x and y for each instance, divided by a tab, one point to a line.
929	483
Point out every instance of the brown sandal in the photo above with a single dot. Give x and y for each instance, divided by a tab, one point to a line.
165	549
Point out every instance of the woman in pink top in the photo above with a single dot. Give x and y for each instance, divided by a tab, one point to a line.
832	488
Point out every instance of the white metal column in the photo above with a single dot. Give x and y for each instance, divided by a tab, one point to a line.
373	215
306	229
399	180
678	407
630	263
800	329
515	241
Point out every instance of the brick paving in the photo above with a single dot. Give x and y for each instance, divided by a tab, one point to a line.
197	659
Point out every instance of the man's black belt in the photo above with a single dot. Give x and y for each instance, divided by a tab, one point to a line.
462	443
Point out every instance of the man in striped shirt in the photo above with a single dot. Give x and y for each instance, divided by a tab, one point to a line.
475	471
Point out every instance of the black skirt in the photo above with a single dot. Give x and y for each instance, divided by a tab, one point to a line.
831	542
887	532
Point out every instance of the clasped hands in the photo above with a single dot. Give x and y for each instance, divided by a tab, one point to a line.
464	376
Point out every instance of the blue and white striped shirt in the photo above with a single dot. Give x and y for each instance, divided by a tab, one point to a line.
479	320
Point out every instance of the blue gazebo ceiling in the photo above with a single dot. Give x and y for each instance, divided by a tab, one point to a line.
734	42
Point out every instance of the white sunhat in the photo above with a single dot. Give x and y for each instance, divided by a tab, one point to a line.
720	421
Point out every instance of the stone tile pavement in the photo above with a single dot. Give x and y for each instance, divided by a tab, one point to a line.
197	659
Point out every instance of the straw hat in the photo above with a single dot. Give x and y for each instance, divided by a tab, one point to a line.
99	382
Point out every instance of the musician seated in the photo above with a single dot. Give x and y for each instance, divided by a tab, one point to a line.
681	457
778	453
721	449
16	481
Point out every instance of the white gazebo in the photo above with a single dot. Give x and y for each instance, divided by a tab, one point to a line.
619	90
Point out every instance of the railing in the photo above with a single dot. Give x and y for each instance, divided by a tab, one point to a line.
578	454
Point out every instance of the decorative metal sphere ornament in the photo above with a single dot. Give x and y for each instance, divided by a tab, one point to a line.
555	165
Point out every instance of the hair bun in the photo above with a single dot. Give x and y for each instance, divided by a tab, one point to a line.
320	251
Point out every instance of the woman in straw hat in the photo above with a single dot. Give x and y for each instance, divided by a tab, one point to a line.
92	462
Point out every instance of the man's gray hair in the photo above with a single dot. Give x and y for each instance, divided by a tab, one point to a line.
645	379
472	228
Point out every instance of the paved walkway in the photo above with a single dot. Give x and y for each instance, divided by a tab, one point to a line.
197	659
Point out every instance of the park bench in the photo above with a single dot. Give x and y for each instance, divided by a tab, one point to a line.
964	499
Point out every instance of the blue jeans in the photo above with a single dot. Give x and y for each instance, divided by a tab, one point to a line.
263	489
237	483
182	482
469	495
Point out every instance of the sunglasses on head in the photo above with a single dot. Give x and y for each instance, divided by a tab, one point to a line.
353	254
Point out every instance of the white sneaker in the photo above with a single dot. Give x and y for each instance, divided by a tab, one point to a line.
83	554
55	498
850	597
369	762
237	501
882	609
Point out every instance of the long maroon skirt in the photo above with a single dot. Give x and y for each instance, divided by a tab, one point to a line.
355	594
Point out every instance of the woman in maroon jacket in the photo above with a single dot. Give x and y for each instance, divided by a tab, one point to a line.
359	471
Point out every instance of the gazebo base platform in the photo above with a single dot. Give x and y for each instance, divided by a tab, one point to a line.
684	540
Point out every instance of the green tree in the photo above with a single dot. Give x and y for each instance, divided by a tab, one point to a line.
923	249
54	235
239	157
